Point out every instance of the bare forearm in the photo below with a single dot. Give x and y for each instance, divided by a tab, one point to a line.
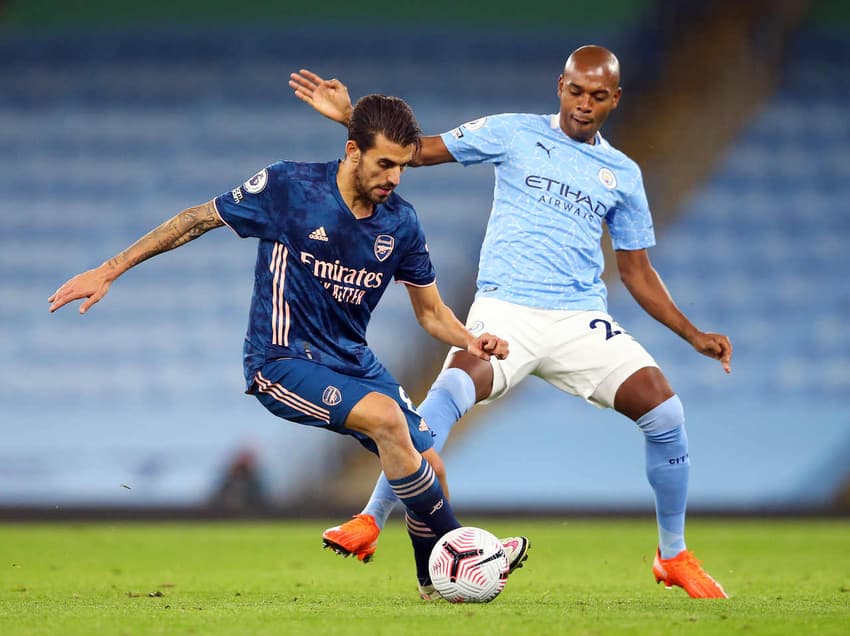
652	295
176	231
432	151
93	284
331	99
442	324
647	288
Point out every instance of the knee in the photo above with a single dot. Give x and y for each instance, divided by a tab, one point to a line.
480	371
379	417
665	422
641	392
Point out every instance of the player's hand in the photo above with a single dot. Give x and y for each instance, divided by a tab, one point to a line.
329	97
714	345
91	285
487	345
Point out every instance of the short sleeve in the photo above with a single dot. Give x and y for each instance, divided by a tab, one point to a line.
249	209
416	267
483	140
630	222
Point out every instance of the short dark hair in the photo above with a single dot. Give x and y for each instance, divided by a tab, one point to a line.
390	116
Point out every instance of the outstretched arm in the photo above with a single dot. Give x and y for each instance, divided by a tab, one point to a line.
331	99
647	288
439	320
94	283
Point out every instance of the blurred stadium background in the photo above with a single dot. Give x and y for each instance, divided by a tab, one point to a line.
115	116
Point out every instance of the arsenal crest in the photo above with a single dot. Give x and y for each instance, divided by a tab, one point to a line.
384	246
331	396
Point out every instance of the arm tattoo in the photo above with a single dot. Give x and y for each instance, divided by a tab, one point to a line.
182	228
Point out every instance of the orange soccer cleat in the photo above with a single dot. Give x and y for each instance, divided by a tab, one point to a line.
359	537
685	571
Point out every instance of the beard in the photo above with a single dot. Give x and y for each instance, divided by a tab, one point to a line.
367	193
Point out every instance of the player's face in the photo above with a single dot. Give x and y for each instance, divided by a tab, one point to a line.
587	98
379	169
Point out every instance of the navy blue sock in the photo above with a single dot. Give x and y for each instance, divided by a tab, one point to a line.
450	397
422	494
423	540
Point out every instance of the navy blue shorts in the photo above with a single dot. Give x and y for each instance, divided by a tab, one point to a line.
308	393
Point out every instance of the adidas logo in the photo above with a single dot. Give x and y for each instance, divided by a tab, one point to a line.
319	234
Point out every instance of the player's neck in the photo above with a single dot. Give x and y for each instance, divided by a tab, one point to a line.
361	207
590	141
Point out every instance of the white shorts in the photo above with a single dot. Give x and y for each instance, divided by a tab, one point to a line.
584	353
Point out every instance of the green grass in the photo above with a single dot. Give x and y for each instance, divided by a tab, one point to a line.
582	577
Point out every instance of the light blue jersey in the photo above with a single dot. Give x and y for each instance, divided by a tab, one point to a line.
542	246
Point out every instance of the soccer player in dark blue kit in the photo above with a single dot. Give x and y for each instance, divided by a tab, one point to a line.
331	235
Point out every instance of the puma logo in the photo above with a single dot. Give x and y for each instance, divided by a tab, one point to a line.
436	507
548	150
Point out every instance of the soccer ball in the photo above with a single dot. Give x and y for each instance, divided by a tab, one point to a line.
468	565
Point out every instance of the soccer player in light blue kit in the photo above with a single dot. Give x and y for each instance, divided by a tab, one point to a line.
331	236
539	286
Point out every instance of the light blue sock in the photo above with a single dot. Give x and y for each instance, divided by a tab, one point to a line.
450	397
668	468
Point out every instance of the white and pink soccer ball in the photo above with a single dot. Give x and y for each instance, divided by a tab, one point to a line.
469	565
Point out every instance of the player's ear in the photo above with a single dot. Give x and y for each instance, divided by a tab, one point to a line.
616	98
560	84
352	151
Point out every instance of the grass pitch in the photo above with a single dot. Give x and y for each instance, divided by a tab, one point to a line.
582	577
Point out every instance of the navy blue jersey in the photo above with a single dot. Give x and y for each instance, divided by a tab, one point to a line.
320	271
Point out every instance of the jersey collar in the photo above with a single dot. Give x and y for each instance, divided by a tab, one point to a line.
333	169
555	124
